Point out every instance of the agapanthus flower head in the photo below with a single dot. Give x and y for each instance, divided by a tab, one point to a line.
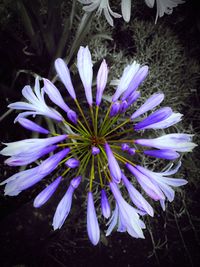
102	146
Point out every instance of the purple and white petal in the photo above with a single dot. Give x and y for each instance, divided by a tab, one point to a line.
46	194
127	76
64	206
138	78
155	118
171	120
151	103
29	157
150	188
30	145
64	75
102	77
92	222
176	141
84	63
55	95
139	201
30	125
105	206
128	216
162	154
114	168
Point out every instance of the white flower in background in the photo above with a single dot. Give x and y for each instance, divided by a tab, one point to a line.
126	9
100	5
163	6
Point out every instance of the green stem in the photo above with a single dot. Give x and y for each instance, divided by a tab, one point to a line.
117	127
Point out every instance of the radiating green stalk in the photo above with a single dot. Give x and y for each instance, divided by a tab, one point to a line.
82	114
99	171
105	118
91	173
96	119
119	126
93	120
119	133
123	159
109	124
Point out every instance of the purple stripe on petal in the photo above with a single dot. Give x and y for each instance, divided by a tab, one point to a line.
125	80
102	76
105	206
162	154
136	81
48	165
151	189
64	74
151	103
32	126
156	117
92	222
45	194
114	168
137	198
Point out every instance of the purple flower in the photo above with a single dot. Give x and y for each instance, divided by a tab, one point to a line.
102	77
36	105
95	150
137	199
25	179
92	222
114	109
128	215
84	63
105	206
156	117
128	75
64	74
115	170
137	79
72	163
56	98
32	126
99	145
28	150
162	153
64	205
45	195
148	186
177	142
151	103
